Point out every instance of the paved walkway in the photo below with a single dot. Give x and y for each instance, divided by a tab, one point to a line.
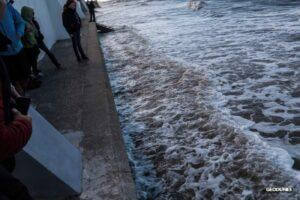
78	102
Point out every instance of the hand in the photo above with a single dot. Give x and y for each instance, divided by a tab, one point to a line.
71	35
18	115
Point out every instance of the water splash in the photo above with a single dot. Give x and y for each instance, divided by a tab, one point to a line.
219	85
181	147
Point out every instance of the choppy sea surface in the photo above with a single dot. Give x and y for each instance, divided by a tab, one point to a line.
208	95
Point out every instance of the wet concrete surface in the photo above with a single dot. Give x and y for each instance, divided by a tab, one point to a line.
79	103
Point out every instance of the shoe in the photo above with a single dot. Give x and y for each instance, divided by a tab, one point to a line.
35	72
85	58
38	75
79	60
58	66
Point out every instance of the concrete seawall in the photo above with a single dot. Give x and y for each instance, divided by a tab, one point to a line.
79	103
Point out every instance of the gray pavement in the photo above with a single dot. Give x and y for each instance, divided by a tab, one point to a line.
78	102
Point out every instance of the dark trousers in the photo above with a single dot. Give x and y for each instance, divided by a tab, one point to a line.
92	16
19	70
10	187
9	164
76	41
18	66
44	48
32	57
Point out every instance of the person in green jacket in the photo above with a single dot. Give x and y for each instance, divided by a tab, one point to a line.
29	39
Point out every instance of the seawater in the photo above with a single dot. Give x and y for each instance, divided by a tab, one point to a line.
208	95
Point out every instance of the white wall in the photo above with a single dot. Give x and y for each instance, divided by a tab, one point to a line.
56	8
48	14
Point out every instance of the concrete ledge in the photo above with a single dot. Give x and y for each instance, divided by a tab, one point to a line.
44	164
79	100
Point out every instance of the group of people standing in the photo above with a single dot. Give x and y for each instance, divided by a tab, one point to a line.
21	40
15	71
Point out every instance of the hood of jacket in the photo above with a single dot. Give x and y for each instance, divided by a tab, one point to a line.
27	13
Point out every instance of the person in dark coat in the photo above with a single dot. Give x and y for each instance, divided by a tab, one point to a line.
41	44
92	7
72	24
15	132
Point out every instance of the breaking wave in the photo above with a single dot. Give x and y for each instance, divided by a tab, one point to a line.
179	144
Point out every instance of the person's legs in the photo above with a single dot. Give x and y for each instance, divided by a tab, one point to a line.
9	164
11	187
75	45
3	197
36	71
36	53
94	16
24	68
18	70
44	48
91	15
32	57
79	45
9	62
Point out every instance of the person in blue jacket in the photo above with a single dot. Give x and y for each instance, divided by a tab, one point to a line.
12	28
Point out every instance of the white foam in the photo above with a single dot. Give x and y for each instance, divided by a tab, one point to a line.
176	98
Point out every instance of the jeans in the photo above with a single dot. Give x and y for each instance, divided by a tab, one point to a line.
44	48
76	41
